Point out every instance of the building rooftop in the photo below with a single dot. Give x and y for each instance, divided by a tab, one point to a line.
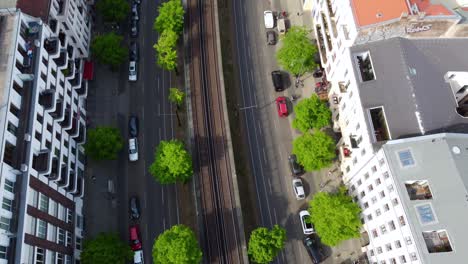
35	8
433	193
376	11
431	8
8	31
407	79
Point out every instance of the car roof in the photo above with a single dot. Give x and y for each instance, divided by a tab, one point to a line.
133	232
132	63
304	213
132	142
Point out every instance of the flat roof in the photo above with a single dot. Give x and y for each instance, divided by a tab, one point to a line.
431	9
8	32
35	8
377	11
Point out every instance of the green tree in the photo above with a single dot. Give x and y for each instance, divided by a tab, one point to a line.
335	217
108	49
177	245
297	53
113	10
103	143
106	248
172	163
311	113
265	244
314	151
176	96
166	50
171	17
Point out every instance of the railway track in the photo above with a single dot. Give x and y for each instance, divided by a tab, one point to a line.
220	234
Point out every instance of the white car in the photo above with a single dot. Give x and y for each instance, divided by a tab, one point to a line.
132	71
298	189
133	149
308	228
269	19
138	257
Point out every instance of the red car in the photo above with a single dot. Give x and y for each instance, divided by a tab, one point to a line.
282	106
135	242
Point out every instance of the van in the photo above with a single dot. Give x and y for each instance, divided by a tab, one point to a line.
138	257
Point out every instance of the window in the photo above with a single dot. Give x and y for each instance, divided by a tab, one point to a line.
69	216
359	182
408	240
406	158
413	256
378	212
9	185
386	207
374	199
366	176
393	261
418	190
379	250
41	229
12	128
374	233
388	247
383	262
61	236
374	169
402	259
426	214
40	259
364	64
386	175
353	188
383	229
78	243
369	217
382	194
390	188
354	161
391	225
370	187
397	244
3	252
402	221
378	181
371	252
363	152
43	203
7	204
395	201
437	241
5	223
348	168
69	238
381	162
363	194
366	205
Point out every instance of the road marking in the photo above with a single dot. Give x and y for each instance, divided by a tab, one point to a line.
162	195
159	87
260	128
177	206
164	223
276	125
160	135
276	217
264	156
269	185
159	109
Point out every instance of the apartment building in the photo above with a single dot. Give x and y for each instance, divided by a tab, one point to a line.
42	129
413	195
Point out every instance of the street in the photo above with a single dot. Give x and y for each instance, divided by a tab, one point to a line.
112	98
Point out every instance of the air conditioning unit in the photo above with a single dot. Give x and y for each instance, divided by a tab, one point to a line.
27	137
24	168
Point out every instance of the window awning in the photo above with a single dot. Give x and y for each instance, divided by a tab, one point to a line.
88	72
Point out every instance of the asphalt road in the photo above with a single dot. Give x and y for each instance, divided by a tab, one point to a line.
269	137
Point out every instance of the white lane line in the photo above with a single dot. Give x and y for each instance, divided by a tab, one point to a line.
269	185
160	137
164	109
264	156
260	128
159	87
164	223
162	195
159	109
276	217
281	154
172	110
177	205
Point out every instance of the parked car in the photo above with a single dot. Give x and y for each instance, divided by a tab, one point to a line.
135	15
133	126
134	28
314	249
298	189
134	54
282	106
134	207
133	149
296	168
269	19
307	227
135	242
137	2
132	71
138	257
271	37
278	82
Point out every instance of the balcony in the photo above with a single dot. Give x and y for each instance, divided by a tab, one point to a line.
66	122
71	182
41	161
47	99
365	67
51	45
70	51
62	59
54	172
79	192
437	241
418	190
61	7
320	44
58	113
379	124
74	132
53	25
68	72
83	89
326	29
63	175
343	86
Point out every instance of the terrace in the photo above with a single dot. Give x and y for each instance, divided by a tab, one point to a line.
437	241
418	190
379	124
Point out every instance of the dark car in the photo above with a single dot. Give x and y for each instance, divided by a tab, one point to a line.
314	249
271	37
134	54
134	208
133	126
134	28
296	168
278	82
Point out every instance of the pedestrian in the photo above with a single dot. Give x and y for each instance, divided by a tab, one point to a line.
299	14
93	177
329	173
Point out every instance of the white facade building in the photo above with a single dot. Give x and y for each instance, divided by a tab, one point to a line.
42	129
413	196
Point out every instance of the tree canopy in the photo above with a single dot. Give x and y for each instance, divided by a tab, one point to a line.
108	49
113	10
335	217
106	248
297	53
177	245
171	17
265	244
172	163
314	151
166	50
311	113
103	143
176	96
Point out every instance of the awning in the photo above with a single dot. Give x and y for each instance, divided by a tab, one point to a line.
88	72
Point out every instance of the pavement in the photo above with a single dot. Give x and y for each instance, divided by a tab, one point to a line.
111	99
269	137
